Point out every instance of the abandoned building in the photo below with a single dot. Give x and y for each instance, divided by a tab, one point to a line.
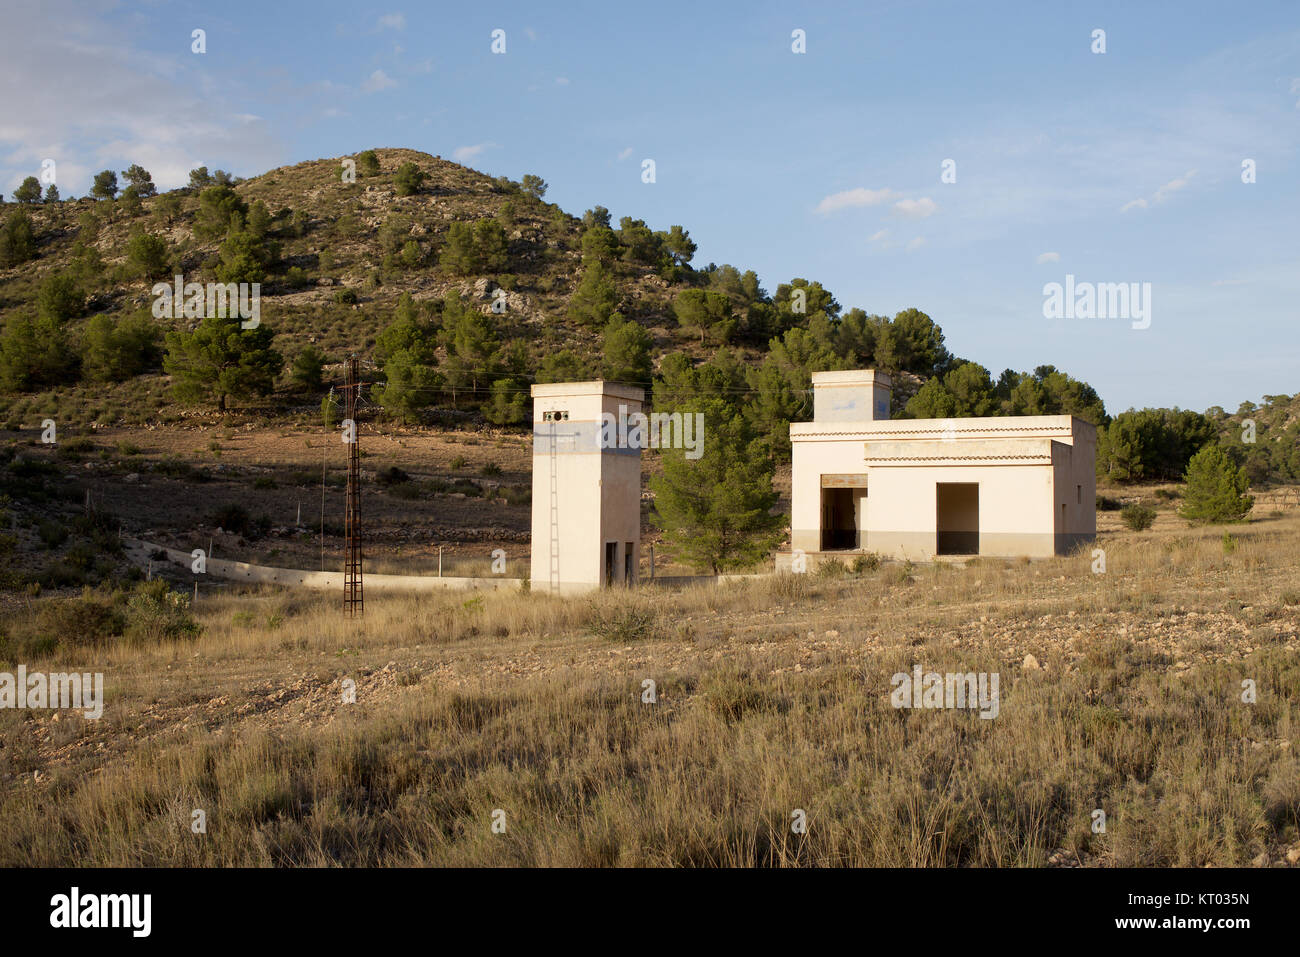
586	514
919	489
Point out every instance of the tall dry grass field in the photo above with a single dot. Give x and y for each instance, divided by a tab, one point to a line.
772	696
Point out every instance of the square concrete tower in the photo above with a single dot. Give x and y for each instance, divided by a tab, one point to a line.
586	487
842	403
855	395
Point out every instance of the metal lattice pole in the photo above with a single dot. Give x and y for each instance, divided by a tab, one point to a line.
354	603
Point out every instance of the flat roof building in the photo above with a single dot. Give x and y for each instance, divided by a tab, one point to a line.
919	488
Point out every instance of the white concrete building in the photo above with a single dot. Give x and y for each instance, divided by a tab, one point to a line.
920	488
586	493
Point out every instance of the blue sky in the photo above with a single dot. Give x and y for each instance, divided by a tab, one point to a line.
1115	167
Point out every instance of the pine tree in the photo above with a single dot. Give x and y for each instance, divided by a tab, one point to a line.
17	239
472	347
409	179
533	186
491	245
221	360
114	351
626	352
460	254
594	300
564	366
105	186
407	349
142	181
29	192
508	403
308	365
147	255
1215	488
716	510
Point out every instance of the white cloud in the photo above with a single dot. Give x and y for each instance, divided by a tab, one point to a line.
624	154
528	32
1048	258
917	208
1174	185
855	197
379	80
391	21
1229	282
561	81
1161	194
1295	91
878	235
115	104
916	243
462	154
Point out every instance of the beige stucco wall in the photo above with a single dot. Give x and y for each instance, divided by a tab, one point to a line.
1015	509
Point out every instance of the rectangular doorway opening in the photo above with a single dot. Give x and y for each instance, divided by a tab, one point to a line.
957	514
611	562
629	556
839	519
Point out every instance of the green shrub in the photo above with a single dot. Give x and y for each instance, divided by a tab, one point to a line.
88	619
235	518
624	620
1107	504
866	563
832	568
903	574
1138	517
53	534
155	613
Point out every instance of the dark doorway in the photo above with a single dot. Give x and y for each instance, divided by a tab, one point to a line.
957	513
629	556
839	519
611	561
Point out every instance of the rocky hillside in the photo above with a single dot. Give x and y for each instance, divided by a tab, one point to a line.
340	256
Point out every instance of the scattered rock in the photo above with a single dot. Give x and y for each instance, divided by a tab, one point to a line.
1030	664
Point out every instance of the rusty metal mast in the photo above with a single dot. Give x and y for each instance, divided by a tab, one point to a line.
354	603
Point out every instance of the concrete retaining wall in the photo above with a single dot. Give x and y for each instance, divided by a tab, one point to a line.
298	578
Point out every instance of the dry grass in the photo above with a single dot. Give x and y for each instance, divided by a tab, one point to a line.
772	694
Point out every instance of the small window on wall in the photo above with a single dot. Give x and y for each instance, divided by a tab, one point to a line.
555	417
1078	494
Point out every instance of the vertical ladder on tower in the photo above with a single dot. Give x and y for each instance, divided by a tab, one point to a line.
353	594
555	511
